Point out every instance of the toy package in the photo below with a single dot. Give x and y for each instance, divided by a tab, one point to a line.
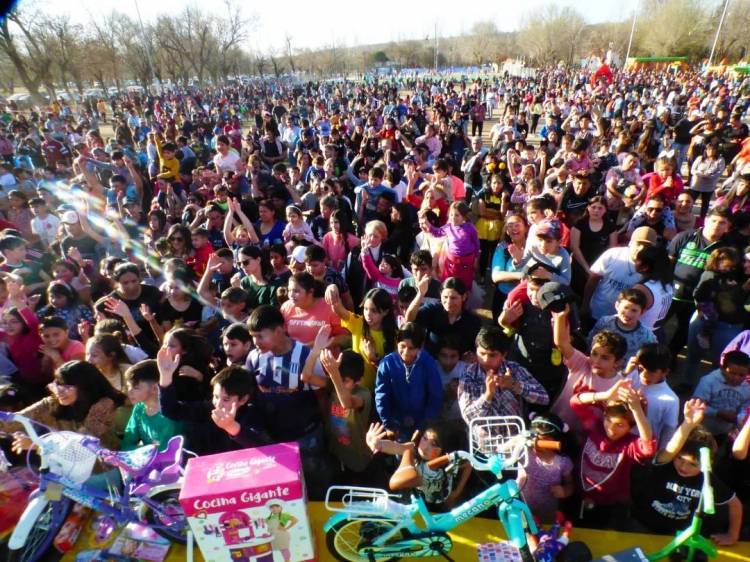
498	552
16	486
140	542
249	505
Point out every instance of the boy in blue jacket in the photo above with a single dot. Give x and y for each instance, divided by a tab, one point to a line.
408	390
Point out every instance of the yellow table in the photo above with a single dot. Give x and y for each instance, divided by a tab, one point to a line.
476	531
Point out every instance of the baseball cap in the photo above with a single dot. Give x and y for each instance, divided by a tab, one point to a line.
298	254
644	234
554	296
549	228
70	217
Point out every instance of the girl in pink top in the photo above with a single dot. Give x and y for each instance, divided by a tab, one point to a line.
387	275
21	334
462	243
339	241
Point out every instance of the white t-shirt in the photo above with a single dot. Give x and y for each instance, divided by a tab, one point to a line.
617	273
663	408
45	228
226	163
662	301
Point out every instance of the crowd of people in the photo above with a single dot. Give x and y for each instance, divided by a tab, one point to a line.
272	262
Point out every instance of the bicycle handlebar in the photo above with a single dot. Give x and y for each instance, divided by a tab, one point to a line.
477	464
707	490
27	424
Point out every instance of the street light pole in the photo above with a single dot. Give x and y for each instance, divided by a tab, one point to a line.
147	44
718	31
632	31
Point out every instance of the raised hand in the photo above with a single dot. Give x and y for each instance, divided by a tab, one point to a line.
167	365
505	381
225	419
376	432
329	363
116	306
694	410
323	337
332	296
146	312
423	284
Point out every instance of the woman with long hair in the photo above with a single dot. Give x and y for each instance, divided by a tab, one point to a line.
653	263
106	353
258	280
506	269
270	229
180	242
81	400
373	332
193	370
340	239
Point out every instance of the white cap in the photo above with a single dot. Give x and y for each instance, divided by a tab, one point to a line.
69	217
298	254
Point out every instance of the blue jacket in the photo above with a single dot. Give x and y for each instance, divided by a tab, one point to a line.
403	405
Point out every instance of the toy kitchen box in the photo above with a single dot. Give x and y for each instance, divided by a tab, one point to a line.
249	505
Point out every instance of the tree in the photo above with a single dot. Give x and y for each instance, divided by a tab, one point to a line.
482	42
733	41
672	28
379	57
551	34
21	40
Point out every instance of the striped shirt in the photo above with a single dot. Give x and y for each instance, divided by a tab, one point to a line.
284	398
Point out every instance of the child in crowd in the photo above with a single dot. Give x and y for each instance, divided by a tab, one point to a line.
720	284
598	371
231	420
726	394
610	450
373	333
57	347
440	488
147	425
548	250
462	247
297	231
451	369
548	476
493	386
629	307
421	264
667	491
348	414
236	343
407	384
648	372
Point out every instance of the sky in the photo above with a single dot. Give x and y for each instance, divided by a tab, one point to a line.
327	20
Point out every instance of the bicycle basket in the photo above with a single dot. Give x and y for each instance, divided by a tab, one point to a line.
498	435
363	503
67	457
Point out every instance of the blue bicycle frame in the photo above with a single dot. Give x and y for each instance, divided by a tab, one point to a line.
514	515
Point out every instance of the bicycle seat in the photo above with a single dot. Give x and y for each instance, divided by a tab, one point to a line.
133	461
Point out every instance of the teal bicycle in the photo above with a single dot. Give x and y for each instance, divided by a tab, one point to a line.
370	524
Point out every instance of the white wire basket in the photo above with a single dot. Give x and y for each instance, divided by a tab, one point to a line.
499	435
364	503
67	457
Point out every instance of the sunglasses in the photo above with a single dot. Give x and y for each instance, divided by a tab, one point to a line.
177	239
243	263
654	209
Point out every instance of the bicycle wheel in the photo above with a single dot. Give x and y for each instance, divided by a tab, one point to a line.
167	517
43	532
345	538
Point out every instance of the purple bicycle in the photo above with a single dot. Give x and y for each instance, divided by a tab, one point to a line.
151	482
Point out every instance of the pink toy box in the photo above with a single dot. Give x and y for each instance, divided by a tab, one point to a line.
249	505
